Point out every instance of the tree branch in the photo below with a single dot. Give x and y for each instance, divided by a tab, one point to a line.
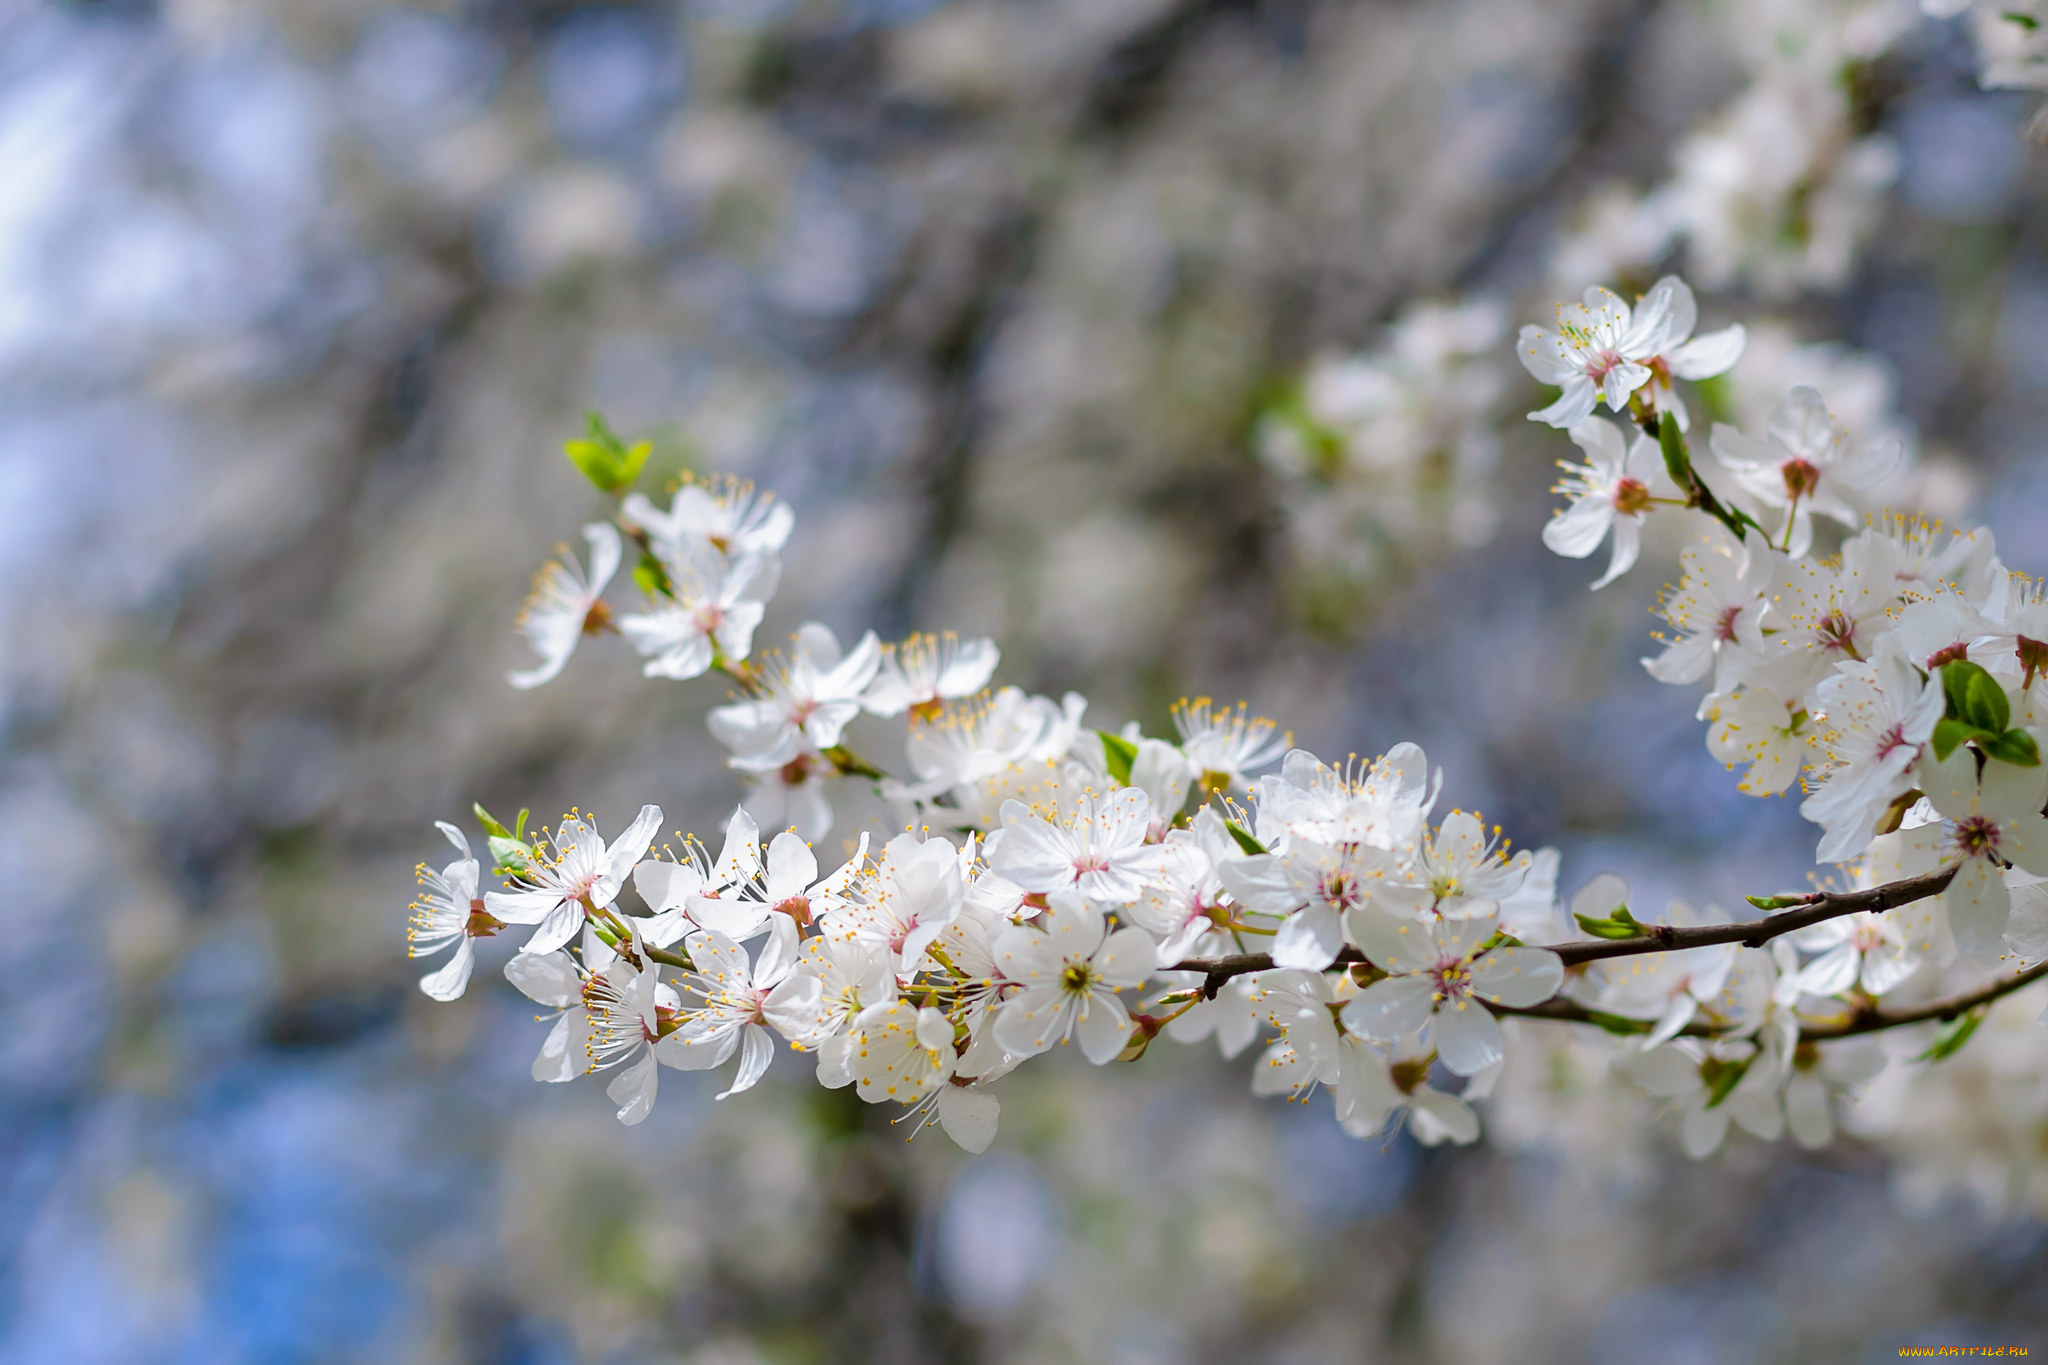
1813	908
1561	1010
1876	1021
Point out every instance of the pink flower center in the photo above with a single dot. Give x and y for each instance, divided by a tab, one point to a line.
1339	890
1453	979
1600	363
1837	631
1947	654
1891	741
1801	477
1632	497
1977	836
1724	629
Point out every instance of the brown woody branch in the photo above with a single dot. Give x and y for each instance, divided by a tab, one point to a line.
1868	1020
1814	908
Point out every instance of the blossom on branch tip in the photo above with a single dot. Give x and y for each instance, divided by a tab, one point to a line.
1879	716
1612	493
730	1016
728	516
1805	465
709	621
1603	349
1718	609
579	873
630	1024
448	911
926	671
1994	821
1225	746
807	701
566	604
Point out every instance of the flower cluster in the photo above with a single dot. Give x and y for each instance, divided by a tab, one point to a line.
1057	883
1778	187
1397	442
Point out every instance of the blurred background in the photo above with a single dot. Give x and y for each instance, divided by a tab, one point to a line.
1164	340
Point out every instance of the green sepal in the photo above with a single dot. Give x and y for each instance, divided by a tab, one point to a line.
1951	1039
1677	460
2016	747
1244	838
1895	814
490	823
1974	697
1775	902
510	854
1119	753
604	459
1620	924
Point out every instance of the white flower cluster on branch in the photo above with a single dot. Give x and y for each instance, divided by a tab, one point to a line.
1055	883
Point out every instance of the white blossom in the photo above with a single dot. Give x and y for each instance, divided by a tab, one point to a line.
1440	976
926	671
1067	970
709	621
1611	494
448	911
1603	349
566	604
578	873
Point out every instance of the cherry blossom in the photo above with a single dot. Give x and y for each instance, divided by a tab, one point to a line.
567	604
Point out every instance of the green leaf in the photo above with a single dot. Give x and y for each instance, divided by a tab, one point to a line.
1775	902
604	458
1974	696
1119	753
1615	1023
1949	733
1244	837
1621	924
2016	747
633	461
2024	20
1951	1039
509	855
490	824
652	577
1677	461
1717	396
1722	1078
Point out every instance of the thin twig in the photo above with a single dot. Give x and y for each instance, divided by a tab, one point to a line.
1874	1021
1817	907
1565	1011
1814	908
